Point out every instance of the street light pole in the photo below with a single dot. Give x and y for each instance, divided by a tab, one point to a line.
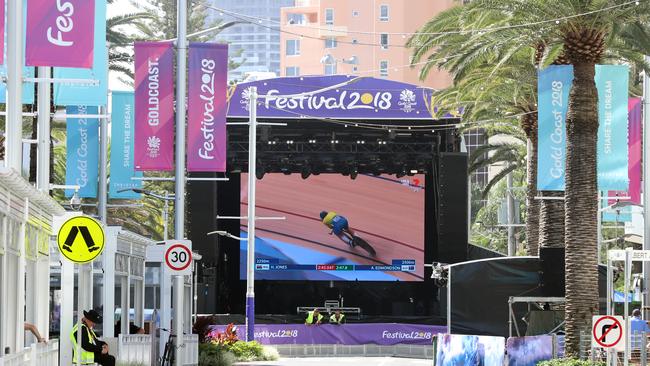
250	255
14	121
179	222
646	187
165	215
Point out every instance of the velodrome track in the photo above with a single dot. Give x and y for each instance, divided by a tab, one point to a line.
388	215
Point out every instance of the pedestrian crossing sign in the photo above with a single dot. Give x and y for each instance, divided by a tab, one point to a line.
81	239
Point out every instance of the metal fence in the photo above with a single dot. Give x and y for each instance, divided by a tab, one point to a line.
639	350
39	354
368	350
136	348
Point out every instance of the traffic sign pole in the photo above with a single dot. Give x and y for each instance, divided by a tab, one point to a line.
626	314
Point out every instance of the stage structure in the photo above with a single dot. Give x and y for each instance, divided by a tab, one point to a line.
368	128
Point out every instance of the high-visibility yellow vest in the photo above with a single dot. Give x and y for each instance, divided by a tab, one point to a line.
339	321
87	358
310	318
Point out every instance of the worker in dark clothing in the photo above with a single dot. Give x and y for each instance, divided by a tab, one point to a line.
92	349
133	329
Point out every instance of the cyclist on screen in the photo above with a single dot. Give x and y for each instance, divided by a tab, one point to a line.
338	224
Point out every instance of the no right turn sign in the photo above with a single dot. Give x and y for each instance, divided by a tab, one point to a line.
608	332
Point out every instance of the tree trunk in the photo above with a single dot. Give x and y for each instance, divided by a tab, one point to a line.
581	205
532	205
551	221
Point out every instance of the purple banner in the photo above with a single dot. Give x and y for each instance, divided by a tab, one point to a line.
206	124
154	106
384	334
348	97
60	33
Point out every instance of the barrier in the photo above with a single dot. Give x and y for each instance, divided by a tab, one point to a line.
385	334
368	350
135	348
459	349
39	354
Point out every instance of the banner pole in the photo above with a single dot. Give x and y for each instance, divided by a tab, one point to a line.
179	222
103	162
645	299
43	133
14	121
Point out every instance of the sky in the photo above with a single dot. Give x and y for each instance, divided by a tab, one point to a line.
119	7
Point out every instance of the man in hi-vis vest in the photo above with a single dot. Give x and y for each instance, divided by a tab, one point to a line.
92	349
314	317
337	318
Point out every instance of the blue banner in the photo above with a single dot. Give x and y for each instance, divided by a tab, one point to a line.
82	162
79	94
612	85
122	130
554	84
28	72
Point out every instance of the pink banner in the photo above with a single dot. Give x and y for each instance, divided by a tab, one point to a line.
635	136
206	124
154	106
634	142
60	33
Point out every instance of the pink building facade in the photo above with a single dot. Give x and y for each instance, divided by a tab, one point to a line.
356	37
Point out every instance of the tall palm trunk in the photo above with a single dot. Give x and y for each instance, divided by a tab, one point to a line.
581	201
529	125
551	221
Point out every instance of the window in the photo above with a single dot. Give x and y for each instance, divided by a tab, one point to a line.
383	40
293	47
355	13
293	18
292	71
354	41
383	68
383	13
330	42
329	16
330	69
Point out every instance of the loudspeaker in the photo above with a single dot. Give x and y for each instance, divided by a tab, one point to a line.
452	208
552	271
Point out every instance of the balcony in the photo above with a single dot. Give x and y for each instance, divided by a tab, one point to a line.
326	31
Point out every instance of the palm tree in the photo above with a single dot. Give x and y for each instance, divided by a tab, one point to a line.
488	93
583	30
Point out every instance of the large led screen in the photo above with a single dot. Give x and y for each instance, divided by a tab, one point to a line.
385	212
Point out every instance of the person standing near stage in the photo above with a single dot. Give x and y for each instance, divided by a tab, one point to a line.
337	318
314	317
92	349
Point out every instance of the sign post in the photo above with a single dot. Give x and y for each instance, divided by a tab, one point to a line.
608	332
81	241
178	260
178	257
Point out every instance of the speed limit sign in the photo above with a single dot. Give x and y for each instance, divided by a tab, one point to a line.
178	256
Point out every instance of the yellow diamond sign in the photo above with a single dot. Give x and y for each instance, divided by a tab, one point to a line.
81	239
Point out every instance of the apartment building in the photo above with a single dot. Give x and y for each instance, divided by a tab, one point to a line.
256	45
360	37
